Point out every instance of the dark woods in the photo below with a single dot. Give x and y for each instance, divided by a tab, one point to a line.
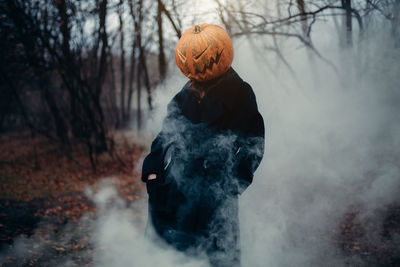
69	71
73	71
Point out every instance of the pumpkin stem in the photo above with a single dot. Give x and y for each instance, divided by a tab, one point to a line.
197	29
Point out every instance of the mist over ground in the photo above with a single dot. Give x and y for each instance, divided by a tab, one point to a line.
78	79
332	147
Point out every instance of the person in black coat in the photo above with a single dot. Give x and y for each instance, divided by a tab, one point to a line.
210	145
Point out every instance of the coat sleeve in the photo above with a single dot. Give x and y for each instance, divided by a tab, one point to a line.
153	162
251	142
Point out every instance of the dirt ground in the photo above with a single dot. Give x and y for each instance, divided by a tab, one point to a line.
46	218
42	193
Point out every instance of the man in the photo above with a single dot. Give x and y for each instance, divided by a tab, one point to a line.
211	142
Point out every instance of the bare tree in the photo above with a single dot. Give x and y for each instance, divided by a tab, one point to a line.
290	20
162	64
346	5
175	25
44	30
122	60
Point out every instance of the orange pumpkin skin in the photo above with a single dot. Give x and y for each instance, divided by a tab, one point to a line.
204	52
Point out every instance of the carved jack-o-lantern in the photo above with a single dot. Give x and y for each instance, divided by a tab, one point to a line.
204	52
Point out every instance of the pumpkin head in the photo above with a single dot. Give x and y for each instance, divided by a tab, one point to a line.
204	52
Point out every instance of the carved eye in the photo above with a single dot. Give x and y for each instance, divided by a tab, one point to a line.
182	58
196	58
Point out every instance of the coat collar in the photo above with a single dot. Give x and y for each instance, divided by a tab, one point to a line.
221	97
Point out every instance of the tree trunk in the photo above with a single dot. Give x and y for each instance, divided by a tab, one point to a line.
166	12
346	4
139	108
303	16
131	78
61	128
146	79
122	61
100	133
162	65
113	92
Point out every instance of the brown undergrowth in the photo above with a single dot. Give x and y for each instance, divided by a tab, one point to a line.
37	168
46	218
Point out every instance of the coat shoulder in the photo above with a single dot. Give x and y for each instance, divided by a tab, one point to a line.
246	98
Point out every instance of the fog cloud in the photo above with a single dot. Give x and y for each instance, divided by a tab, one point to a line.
332	146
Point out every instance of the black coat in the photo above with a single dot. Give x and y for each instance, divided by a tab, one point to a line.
204	157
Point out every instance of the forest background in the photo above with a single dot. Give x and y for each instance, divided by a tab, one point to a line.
84	85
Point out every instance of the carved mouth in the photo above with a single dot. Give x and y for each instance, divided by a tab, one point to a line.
211	64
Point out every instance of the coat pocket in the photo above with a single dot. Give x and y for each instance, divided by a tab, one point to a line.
164	196
157	193
151	186
161	180
164	193
164	205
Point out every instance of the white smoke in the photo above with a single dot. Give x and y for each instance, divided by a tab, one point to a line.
119	235
331	144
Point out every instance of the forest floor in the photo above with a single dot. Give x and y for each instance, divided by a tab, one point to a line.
45	210
47	216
